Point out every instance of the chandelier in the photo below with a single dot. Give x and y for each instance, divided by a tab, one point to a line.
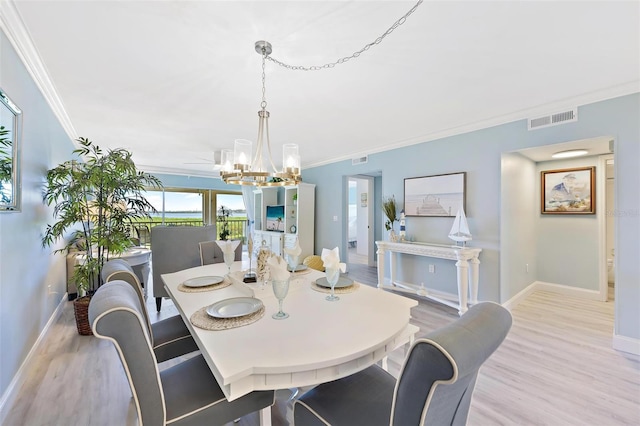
239	168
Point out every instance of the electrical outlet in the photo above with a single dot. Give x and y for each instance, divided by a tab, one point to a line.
432	269
335	218
526	267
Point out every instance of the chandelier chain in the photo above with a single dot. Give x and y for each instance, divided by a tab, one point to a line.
263	104
356	54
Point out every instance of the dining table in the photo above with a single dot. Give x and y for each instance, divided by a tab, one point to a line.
320	341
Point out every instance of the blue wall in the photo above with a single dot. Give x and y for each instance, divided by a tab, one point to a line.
32	280
479	154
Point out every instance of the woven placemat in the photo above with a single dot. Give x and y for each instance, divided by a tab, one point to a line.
223	284
201	319
342	290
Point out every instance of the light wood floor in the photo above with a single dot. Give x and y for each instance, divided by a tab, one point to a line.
556	367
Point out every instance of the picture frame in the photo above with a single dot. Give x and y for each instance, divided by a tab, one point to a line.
435	196
568	191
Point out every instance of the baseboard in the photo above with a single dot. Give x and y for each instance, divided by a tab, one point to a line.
553	288
10	394
626	344
568	290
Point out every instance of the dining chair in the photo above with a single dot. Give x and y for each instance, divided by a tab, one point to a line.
210	253
174	248
170	337
185	394
435	383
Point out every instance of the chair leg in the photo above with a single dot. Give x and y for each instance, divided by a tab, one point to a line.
158	303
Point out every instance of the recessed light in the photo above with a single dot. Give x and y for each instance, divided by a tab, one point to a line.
570	153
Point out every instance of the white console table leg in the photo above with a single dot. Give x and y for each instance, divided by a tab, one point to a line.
380	253
463	284
474	278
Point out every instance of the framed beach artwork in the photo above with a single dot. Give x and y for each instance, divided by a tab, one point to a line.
568	191
439	195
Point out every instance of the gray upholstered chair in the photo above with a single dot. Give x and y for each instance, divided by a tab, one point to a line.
435	383
211	253
174	248
170	337
185	394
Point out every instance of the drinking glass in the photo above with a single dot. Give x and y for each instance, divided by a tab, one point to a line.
292	261
332	278
229	258
280	289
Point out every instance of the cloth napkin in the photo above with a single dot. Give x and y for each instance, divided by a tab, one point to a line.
278	268
227	246
331	259
293	251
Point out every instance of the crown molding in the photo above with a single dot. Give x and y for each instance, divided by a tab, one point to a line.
552	107
13	26
178	171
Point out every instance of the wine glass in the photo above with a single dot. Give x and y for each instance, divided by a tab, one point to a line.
280	289
229	258
292	261
333	274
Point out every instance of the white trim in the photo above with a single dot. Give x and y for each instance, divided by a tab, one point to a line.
601	212
19	378
568	290
569	103
520	297
13	26
553	288
626	344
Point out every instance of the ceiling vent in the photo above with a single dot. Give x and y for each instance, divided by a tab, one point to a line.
359	160
553	119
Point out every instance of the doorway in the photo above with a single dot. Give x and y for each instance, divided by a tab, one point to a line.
360	216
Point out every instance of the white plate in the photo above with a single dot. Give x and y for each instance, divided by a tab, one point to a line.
203	281
298	268
234	307
342	282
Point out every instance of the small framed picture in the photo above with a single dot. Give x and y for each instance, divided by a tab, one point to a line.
568	191
363	199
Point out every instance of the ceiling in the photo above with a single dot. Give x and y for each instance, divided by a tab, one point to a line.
176	81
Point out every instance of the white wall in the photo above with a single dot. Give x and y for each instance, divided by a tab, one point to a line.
568	244
518	225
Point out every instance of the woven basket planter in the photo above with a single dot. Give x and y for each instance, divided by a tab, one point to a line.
81	310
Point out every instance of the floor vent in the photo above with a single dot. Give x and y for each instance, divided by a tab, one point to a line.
359	160
553	119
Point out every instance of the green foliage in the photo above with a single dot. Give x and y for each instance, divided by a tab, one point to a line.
6	163
223	221
101	196
389	207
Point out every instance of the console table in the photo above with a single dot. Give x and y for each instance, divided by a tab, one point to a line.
467	277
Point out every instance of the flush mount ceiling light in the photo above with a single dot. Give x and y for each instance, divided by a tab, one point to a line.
239	166
570	153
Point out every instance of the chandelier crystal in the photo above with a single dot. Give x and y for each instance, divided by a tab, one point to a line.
241	167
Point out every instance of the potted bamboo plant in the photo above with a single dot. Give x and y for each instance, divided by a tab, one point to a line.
95	202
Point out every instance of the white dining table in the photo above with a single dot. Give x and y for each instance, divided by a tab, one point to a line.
319	342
